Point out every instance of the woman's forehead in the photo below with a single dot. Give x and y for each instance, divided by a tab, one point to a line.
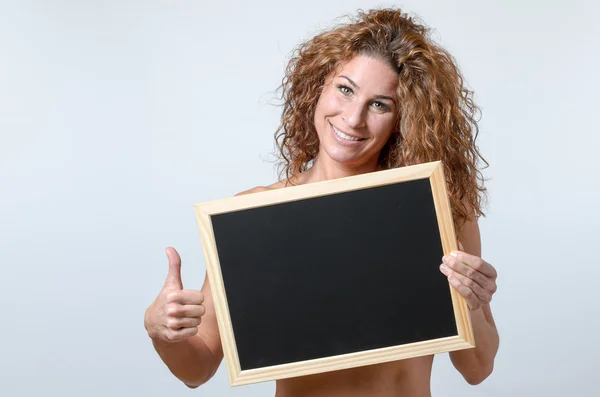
368	73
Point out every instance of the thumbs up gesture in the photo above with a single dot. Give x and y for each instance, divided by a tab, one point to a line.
175	313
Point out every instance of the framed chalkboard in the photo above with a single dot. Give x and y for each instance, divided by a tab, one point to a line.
333	275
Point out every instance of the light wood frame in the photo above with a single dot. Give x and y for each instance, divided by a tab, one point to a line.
432	171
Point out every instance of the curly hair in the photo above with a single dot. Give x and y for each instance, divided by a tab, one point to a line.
436	118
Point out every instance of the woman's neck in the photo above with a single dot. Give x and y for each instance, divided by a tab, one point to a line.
327	169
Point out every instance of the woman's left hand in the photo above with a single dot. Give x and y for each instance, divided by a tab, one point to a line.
471	276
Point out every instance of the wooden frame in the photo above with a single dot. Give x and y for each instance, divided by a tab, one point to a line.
432	171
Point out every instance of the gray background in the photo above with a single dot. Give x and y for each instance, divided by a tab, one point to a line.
117	116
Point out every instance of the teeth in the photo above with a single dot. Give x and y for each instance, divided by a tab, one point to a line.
344	136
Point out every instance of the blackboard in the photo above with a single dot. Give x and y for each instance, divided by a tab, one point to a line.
333	275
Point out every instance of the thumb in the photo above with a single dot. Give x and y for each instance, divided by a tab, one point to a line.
174	276
460	247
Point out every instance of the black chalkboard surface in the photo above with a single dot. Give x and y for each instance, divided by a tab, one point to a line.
333	275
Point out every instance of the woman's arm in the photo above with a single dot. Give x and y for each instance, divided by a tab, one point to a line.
476	280
192	359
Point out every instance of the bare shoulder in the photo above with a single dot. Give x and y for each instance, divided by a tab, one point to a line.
257	189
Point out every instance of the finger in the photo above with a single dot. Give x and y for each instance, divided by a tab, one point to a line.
464	291
174	275
185	322
476	263
181	334
186	297
186	310
483	295
467	271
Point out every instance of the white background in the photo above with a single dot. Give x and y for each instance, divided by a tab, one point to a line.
117	116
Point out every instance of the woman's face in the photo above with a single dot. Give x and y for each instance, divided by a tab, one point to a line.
356	112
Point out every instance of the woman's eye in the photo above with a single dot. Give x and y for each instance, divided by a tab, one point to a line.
345	89
380	106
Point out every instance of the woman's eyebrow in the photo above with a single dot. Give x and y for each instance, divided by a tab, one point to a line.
389	98
351	82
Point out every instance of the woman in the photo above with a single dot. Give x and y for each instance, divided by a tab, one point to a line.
372	94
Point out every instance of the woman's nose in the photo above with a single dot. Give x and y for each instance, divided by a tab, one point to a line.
354	115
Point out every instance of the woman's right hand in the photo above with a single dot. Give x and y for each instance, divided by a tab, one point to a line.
175	313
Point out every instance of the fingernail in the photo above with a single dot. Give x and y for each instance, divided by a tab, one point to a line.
444	268
454	254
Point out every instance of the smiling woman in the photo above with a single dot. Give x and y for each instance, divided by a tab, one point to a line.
375	93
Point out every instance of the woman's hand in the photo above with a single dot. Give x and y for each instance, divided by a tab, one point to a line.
471	276
175	313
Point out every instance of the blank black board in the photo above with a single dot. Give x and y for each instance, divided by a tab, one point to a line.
335	274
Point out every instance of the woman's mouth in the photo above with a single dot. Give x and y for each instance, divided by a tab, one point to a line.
345	138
